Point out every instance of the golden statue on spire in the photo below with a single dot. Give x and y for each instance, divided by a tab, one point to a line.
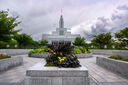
61	11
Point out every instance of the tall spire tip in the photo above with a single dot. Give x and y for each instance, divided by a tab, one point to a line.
61	11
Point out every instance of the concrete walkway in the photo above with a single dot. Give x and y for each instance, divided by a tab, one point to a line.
98	75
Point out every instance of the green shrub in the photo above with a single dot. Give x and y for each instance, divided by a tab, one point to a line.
118	58
76	50
32	51
2	56
89	51
81	50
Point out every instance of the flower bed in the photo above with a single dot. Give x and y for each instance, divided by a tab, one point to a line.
62	56
44	52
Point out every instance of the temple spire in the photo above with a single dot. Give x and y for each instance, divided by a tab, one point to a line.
61	11
61	22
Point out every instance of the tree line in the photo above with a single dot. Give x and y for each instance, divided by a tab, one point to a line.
11	38
106	40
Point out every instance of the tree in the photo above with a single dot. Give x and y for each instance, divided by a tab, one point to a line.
23	39
3	44
43	42
123	36
7	25
102	39
79	41
12	43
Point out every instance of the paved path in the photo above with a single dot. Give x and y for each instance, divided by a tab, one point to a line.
16	74
99	75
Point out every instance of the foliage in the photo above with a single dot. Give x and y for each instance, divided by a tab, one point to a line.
2	56
102	39
40	50
123	36
62	56
43	42
79	41
7	25
23	39
77	51
12	43
3	44
81	50
118	58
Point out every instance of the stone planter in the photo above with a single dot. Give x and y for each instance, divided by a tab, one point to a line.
10	62
117	66
89	55
40	75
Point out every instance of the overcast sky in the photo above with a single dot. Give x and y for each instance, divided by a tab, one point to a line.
85	17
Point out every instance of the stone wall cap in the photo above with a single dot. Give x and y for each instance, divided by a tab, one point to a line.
40	70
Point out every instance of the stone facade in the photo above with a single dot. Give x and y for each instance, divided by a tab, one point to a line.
119	67
60	35
41	75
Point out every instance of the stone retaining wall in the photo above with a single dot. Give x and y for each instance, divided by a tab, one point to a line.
119	67
36	55
89	55
122	53
10	62
14	51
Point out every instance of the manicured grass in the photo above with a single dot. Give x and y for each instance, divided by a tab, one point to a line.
118	58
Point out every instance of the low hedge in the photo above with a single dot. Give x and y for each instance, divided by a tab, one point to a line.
118	58
2	56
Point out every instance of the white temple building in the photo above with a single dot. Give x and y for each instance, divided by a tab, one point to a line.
61	35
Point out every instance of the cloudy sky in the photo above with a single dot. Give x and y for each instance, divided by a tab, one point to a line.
85	17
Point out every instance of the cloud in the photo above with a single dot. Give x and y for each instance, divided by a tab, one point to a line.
42	16
117	21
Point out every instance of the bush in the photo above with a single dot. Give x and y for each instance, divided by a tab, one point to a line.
118	58
77	51
2	56
81	50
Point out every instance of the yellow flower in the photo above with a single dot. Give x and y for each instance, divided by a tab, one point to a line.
42	49
54	53
61	59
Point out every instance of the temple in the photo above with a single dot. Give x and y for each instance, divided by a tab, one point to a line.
60	35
